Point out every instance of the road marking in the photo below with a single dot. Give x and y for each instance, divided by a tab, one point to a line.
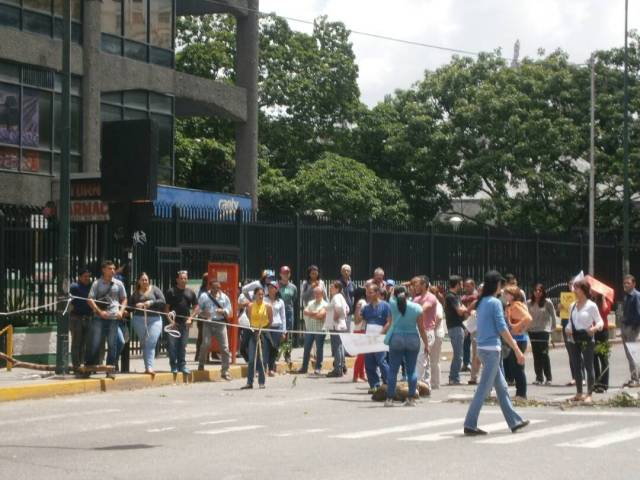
594	413
163	429
545	432
220	431
55	417
605	440
434	437
217	422
398	429
300	432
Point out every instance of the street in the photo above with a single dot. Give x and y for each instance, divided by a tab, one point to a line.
314	427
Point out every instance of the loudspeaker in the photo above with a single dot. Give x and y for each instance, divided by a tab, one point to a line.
129	161
127	218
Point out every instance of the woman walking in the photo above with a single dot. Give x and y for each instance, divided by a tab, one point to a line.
279	323
403	338
149	302
584	322
543	322
260	316
491	326
518	319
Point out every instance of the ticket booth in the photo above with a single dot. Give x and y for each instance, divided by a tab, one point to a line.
227	274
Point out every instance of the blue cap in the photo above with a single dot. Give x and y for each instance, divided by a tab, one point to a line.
390	283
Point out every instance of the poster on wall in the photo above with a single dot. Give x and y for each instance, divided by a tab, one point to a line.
31	119
9	114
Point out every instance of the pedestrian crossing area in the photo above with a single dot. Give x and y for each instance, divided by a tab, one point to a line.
565	429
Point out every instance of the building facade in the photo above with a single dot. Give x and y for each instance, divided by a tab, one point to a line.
122	62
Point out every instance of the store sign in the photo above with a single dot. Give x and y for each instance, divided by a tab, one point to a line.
86	205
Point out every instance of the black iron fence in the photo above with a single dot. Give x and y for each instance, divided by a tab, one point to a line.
188	238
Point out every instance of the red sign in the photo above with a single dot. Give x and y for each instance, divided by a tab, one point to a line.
89	211
227	274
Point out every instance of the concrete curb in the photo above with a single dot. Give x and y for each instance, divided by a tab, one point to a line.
125	381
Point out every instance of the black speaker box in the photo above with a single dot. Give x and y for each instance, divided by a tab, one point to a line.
129	161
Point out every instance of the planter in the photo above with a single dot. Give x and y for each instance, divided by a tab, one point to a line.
35	344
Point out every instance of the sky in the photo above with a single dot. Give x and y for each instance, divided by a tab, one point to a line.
576	26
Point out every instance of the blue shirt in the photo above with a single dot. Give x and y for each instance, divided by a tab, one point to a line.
491	322
631	310
80	307
376	315
208	307
406	323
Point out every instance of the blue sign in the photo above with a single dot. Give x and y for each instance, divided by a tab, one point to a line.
185	197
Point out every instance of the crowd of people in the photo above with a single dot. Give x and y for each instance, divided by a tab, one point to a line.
412	316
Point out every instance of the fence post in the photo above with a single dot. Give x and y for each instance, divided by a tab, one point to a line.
581	251
536	272
487	249
242	259
432	246
175	210
297	340
370	232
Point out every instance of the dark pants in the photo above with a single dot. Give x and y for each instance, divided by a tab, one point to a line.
601	359
79	326
273	349
567	346
178	348
518	370
466	350
373	362
582	358
541	361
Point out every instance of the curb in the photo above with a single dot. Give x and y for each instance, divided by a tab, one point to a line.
135	381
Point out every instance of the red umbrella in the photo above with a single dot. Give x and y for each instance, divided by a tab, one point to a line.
597	286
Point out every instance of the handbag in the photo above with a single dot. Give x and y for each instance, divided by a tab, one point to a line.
579	336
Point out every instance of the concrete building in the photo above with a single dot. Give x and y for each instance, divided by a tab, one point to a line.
123	57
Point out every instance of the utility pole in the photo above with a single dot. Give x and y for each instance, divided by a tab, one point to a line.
627	197
592	170
62	342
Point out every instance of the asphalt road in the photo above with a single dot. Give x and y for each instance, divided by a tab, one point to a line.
317	428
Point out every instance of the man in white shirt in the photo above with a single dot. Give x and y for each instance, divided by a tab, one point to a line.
336	322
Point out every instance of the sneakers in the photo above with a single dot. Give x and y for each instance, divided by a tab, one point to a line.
409	402
226	376
388	402
547	383
174	371
372	390
520	426
317	372
186	371
262	386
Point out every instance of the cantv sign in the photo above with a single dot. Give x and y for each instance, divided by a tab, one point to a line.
199	198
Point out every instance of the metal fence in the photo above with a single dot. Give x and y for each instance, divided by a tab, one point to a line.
188	238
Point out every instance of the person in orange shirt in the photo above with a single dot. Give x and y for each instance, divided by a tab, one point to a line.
518	319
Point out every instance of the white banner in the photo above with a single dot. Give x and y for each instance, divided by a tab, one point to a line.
357	343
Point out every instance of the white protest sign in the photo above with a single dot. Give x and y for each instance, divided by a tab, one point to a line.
357	343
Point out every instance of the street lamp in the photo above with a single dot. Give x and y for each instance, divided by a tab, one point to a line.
626	196
455	221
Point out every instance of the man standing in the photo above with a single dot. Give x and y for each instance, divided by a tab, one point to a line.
454	313
378	279
180	302
469	297
631	327
215	305
428	302
80	317
348	291
108	301
377	314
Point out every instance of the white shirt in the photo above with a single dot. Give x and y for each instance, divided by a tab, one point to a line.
584	318
337	312
279	318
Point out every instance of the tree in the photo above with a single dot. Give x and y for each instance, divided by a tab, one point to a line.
348	190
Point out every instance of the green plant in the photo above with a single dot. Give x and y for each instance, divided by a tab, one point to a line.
603	349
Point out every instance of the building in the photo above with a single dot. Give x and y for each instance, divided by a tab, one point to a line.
122	62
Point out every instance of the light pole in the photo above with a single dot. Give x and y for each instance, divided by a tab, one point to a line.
592	170
62	284
625	141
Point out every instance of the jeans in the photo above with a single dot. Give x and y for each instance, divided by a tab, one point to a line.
79	326
491	377
100	329
466	350
630	333
337	352
373	361
273	347
564	323
601	360
403	347
219	332
257	358
148	334
456	334
541	360
582	359
517	370
309	339
178	348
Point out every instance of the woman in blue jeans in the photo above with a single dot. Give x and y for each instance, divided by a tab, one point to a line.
404	343
149	302
491	326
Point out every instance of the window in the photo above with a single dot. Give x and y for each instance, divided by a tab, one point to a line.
9	16
41	5
139	104
41	16
31	119
76	9
139	29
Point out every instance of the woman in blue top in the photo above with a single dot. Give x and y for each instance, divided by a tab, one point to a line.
404	343
491	325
